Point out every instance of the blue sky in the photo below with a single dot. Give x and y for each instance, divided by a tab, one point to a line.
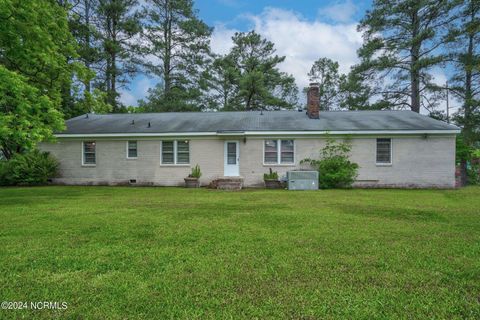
302	30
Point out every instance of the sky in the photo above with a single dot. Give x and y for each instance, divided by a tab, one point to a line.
302	31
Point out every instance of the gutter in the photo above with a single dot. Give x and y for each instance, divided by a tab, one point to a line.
256	133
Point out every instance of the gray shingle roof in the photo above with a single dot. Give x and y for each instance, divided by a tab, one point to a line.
189	122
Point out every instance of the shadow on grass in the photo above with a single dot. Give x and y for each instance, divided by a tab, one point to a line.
404	214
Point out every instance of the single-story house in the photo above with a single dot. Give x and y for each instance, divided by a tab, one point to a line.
392	148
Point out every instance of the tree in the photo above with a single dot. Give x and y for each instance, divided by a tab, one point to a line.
35	45
354	93
221	79
179	43
28	115
118	22
82	18
325	72
35	42
259	84
464	38
402	41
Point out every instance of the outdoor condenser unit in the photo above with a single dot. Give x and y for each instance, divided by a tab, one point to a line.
302	180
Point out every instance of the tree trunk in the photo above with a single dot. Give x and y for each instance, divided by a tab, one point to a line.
414	71
113	88
469	65
87	43
167	33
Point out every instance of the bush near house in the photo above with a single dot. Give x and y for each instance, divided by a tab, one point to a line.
31	168
335	170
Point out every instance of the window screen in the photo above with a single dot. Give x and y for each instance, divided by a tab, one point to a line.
287	151
89	154
271	151
132	149
183	152
168	152
384	151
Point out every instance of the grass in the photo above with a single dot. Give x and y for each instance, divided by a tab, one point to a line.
124	253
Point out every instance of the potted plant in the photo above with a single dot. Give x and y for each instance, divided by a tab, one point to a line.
193	179
271	180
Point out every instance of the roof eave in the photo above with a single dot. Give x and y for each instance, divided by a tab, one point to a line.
256	133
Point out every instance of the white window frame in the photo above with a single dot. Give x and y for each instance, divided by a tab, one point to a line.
83	154
128	157
384	164
175	148
279	154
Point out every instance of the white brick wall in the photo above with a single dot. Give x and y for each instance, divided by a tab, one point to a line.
417	161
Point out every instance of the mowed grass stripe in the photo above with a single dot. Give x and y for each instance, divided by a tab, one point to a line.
118	253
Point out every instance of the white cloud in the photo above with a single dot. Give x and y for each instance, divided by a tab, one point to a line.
342	12
300	40
221	41
127	98
139	90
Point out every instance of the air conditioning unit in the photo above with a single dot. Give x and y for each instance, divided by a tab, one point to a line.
302	180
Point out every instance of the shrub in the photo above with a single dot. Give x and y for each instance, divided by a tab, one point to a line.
32	168
335	170
473	173
271	175
196	172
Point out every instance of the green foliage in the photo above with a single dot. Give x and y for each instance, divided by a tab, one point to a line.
271	175
27	115
180	42
399	50
196	173
355	91
464	83
464	152
31	168
248	77
334	166
438	115
473	174
221	79
35	42
325	72
118	23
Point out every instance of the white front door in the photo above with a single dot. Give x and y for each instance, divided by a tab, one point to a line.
231	159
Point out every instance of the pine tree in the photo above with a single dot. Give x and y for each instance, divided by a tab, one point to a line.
221	79
177	51
259	84
118	22
325	72
464	47
402	41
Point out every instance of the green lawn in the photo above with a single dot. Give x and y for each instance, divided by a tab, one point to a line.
123	253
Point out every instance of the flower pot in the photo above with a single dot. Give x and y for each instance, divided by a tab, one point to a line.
273	184
192	182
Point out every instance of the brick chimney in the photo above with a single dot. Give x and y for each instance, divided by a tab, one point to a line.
313	101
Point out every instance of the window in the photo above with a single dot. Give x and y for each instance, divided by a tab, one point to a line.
183	152
89	154
286	155
231	153
384	151
132	151
279	152
271	151
175	152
